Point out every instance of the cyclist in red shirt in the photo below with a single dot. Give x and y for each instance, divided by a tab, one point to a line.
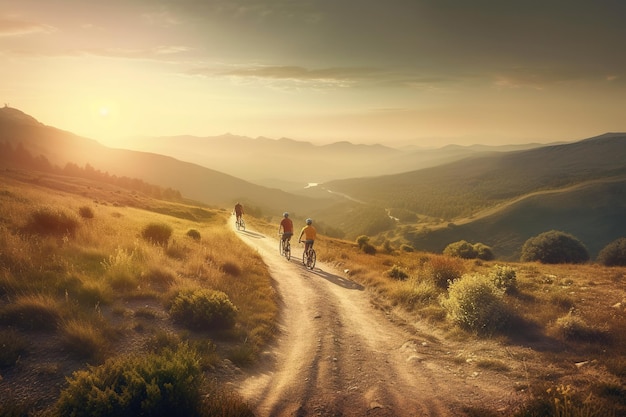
286	226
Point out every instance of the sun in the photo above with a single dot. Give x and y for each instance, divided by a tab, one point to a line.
104	111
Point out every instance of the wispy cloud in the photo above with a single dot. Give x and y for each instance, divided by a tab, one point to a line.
15	27
331	77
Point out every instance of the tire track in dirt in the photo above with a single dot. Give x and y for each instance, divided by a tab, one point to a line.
338	355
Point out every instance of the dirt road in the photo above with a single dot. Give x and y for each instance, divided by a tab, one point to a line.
339	355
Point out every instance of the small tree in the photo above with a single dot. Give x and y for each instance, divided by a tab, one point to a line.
613	254
554	247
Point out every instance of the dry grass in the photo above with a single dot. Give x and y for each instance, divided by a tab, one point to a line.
75	289
566	314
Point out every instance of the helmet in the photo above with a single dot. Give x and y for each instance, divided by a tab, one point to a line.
285	214
309	221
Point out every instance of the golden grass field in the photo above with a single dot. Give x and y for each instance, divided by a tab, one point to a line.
73	299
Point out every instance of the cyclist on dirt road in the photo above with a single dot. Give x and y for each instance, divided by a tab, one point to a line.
309	233
286	226
238	210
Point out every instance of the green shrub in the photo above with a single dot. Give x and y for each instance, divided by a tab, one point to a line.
31	312
203	309
613	254
157	233
54	222
165	384
461	249
86	212
465	250
504	277
445	269
483	252
194	234
397	273
475	303
554	247
362	240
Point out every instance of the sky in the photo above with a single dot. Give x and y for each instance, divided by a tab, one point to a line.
421	72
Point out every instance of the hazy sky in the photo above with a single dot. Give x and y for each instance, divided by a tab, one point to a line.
388	71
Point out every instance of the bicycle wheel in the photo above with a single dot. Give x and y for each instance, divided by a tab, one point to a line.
304	258
288	251
243	225
311	260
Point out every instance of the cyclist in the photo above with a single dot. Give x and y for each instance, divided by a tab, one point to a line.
238	210
309	233
286	225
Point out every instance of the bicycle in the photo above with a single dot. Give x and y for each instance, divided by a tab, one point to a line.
284	247
241	225
309	257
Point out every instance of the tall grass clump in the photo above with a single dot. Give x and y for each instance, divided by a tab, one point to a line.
165	384
121	269
574	327
157	233
203	309
476	304
86	212
84	339
51	221
32	312
564	401
397	273
444	269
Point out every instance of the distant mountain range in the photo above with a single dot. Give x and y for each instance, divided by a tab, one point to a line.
499	196
290	165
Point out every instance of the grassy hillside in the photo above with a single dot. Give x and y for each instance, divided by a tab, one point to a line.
462	188
87	285
87	278
445	204
594	212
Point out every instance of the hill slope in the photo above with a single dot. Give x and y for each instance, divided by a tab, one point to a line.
193	181
464	187
594	212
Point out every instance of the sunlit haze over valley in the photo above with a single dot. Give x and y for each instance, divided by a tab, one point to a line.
418	72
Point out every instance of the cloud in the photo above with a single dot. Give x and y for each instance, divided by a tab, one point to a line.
331	77
12	27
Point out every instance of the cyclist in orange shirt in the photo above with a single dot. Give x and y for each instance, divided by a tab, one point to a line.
286	225
309	233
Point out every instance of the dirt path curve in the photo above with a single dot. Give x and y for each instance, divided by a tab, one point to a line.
338	355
